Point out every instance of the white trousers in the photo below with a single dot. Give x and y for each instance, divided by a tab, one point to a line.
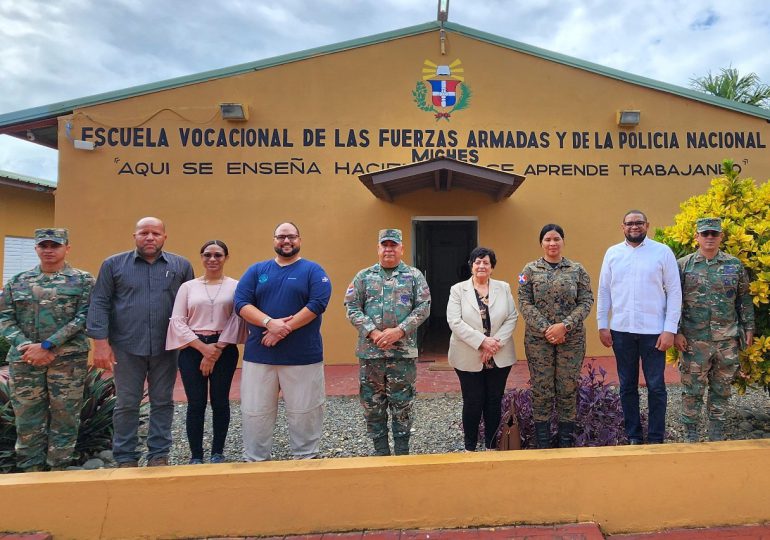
303	394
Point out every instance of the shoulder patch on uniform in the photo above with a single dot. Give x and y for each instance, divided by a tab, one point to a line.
522	279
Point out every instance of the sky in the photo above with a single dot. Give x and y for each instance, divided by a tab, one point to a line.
55	50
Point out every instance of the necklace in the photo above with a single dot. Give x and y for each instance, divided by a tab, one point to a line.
212	300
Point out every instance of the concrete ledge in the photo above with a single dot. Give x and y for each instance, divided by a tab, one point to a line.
623	489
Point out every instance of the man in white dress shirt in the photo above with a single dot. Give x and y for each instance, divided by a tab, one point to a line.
639	286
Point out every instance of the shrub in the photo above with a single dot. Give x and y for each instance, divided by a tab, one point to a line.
95	433
599	419
4	346
7	429
745	211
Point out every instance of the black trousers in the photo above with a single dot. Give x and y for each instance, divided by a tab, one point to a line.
482	393
198	389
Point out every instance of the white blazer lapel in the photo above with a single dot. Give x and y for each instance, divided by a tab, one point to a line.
469	295
495	292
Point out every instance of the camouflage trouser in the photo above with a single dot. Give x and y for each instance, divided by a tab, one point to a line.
711	363
47	402
554	371
387	382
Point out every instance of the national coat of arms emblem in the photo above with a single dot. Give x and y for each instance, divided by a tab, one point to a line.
445	84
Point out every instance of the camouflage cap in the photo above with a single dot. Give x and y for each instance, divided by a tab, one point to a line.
708	224
394	235
60	236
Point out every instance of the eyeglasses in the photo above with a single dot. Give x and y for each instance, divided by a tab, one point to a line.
289	237
710	233
634	223
216	255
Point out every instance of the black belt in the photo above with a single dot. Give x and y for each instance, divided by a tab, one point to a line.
213	338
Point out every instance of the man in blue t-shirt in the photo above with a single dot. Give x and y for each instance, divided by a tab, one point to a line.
282	299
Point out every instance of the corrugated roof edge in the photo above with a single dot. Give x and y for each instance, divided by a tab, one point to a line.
66	107
24	179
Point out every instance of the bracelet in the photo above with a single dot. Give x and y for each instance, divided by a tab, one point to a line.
266	321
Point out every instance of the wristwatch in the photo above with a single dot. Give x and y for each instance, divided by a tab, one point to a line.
47	345
568	326
266	320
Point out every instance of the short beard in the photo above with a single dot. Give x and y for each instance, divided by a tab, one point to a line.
635	239
292	253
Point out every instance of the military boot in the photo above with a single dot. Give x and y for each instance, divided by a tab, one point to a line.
543	434
691	433
716	430
401	445
381	446
566	434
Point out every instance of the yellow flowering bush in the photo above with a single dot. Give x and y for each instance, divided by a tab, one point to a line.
744	208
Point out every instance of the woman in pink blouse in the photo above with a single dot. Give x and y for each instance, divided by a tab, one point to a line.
206	330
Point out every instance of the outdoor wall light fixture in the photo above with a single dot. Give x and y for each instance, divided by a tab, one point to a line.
629	118
234	111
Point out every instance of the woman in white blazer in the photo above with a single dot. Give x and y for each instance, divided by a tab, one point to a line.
482	315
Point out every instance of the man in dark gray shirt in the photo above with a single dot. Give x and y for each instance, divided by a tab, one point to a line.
128	318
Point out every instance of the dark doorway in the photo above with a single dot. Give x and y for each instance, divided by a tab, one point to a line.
441	250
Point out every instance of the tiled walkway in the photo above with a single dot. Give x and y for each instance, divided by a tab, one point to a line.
343	380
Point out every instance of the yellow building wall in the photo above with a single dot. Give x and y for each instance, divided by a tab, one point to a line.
22	211
103	192
622	488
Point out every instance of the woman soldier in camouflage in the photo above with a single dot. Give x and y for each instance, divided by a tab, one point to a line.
554	298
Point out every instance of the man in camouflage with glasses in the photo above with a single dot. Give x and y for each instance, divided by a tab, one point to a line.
386	303
43	316
717	315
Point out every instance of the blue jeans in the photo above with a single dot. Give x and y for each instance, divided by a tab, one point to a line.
628	349
131	372
198	388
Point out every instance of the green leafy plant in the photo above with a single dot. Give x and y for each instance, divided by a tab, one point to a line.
7	428
744	208
95	433
4	346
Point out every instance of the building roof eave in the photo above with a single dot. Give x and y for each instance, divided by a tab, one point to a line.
8	178
441	174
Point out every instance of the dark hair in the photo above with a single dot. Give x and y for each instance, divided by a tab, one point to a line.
480	253
216	243
287	223
551	227
634	212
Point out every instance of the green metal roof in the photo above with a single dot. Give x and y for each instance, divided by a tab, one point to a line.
66	107
26	181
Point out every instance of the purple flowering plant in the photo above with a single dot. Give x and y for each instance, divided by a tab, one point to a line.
599	414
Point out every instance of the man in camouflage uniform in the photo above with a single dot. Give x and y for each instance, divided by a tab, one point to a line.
42	315
386	303
716	314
